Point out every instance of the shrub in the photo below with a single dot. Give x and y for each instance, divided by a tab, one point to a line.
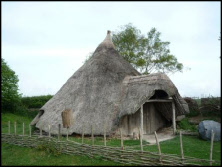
35	101
184	124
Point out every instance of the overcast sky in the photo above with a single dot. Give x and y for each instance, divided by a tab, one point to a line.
46	42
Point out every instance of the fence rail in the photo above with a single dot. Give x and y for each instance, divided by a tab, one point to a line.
124	155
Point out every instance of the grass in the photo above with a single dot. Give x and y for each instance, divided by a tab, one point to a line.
15	155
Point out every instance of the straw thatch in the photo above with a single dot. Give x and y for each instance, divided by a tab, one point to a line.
103	90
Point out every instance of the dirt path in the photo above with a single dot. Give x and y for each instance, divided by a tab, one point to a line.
163	134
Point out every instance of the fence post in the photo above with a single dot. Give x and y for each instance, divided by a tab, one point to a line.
104	135
67	137
141	140
82	133
121	136
59	130
30	131
9	128
49	130
159	150
23	129
41	131
181	148
92	135
15	128
211	146
174	118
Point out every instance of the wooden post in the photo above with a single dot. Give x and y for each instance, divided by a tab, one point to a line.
181	148
158	145
104	135
82	133
49	130
141	141
211	146
15	128
174	118
121	136
41	132
141	121
92	135
59	131
67	137
30	131
23	129
9	128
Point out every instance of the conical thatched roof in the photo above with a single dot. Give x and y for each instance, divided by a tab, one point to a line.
104	89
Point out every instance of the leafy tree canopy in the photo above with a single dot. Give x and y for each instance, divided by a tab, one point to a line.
148	54
9	87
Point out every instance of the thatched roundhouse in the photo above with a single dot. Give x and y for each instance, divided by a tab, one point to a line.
108	91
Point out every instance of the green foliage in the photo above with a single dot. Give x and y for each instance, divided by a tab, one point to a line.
184	124
147	54
10	97
35	101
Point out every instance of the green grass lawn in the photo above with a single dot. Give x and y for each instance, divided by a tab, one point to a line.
16	155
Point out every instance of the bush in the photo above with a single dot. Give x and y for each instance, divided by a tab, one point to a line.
184	124
35	101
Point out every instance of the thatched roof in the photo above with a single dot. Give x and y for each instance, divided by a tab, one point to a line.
105	88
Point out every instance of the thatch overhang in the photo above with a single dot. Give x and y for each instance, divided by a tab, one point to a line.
103	90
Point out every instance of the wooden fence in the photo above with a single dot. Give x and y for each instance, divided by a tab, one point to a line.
117	154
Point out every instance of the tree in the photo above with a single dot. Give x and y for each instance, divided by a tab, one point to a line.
147	54
9	88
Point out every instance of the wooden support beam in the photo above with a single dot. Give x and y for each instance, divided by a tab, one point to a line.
159	100
174	118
